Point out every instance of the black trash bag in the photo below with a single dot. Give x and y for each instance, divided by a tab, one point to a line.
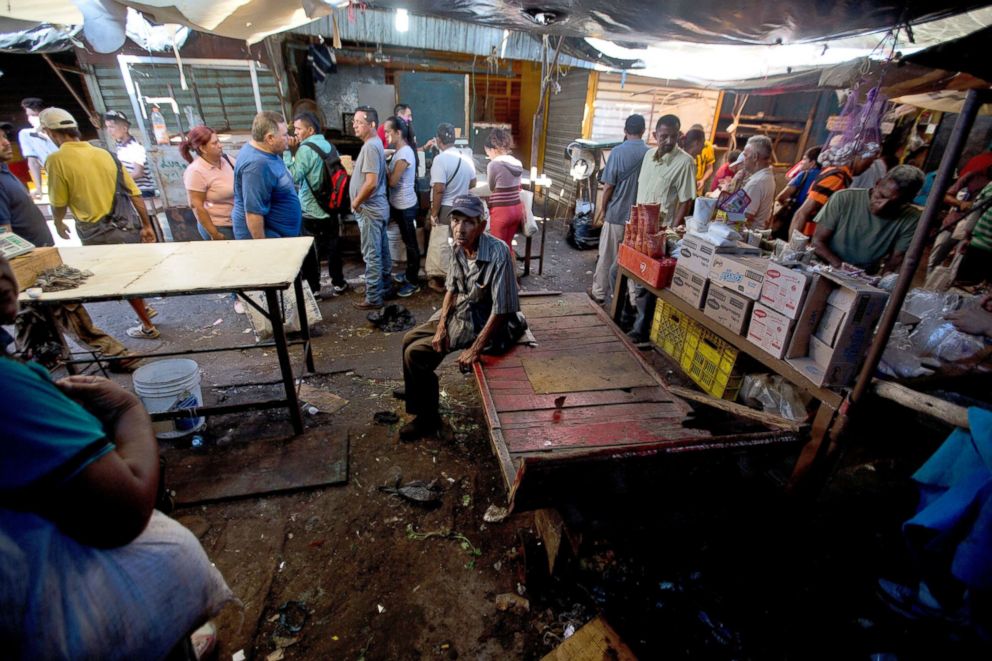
392	319
582	234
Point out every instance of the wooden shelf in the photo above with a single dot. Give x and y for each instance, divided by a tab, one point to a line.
832	398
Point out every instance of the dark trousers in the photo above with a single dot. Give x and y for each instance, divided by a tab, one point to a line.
406	220
325	235
419	362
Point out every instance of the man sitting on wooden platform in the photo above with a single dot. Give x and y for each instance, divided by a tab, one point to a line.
480	313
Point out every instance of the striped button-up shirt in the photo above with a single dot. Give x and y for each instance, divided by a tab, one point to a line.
131	154
483	287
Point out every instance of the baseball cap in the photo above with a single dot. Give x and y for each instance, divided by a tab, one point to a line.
56	118
469	206
117	116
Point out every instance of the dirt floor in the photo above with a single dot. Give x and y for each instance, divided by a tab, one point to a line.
685	558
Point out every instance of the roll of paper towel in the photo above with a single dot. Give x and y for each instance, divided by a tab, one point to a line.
704	209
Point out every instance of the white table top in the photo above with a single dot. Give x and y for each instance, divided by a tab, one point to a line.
163	269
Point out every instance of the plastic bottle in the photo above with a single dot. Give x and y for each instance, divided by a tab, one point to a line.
158	127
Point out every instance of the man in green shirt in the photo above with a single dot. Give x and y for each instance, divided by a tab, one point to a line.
306	166
864	227
976	245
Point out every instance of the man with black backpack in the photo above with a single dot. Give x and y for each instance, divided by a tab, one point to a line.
312	161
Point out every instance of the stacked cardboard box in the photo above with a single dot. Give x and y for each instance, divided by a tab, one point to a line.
783	293
834	330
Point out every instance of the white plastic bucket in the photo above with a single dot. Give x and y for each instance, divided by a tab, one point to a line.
166	385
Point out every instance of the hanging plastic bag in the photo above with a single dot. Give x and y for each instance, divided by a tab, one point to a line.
530	222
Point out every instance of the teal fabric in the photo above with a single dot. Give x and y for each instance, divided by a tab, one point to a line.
46	434
954	518
306	164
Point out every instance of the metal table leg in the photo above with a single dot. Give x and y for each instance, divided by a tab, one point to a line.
544	230
301	308
282	350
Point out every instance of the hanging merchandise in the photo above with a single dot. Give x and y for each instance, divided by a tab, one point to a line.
158	127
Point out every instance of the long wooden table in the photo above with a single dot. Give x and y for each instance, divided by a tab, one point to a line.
830	400
585	394
144	270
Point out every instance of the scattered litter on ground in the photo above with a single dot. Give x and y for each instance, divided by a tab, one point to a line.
508	601
385	418
392	319
278	655
292	616
326	401
418	491
462	540
495	514
381	608
238	656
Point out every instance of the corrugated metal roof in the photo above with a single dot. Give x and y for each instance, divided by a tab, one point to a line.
439	34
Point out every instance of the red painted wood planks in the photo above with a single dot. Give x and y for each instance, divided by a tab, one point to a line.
665	413
505	402
631	433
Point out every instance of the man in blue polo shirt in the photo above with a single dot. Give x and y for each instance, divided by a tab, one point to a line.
265	201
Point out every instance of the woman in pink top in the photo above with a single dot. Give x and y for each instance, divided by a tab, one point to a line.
506	213
209	181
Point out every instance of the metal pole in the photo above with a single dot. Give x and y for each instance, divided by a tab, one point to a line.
254	85
955	145
136	106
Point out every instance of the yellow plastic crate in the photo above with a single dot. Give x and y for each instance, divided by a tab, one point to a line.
669	328
710	362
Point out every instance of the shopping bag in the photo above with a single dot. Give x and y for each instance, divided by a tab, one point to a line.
438	252
530	223
942	277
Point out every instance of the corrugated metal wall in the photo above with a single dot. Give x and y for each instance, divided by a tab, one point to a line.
617	99
565	113
374	26
234	88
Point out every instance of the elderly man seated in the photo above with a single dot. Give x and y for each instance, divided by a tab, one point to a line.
480	314
864	227
88	570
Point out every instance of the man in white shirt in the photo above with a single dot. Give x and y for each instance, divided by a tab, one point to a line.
760	184
36	147
451	175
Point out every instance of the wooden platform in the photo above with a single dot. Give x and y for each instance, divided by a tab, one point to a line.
599	416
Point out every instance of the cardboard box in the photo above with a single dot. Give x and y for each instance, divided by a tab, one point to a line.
728	308
29	266
831	321
690	287
784	289
743	275
770	330
845	311
696	253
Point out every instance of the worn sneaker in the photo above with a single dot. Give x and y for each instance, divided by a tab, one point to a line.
407	289
365	305
142	333
340	289
150	311
399	278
